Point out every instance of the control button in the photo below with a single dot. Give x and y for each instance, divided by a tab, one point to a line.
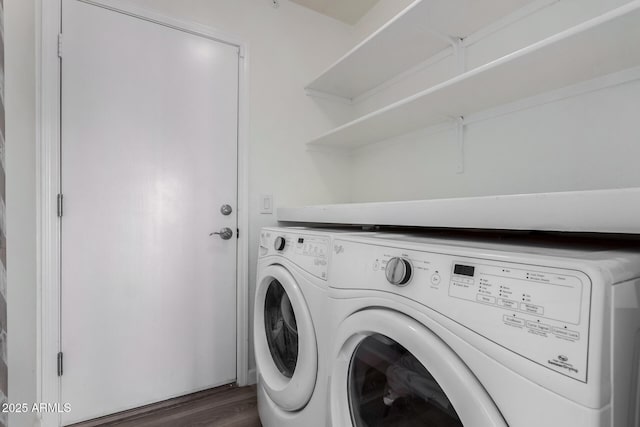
455	282
398	271
566	333
435	279
530	308
486	299
508	303
279	243
376	265
512	320
539	327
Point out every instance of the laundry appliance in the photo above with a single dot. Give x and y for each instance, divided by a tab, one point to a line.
460	331
290	326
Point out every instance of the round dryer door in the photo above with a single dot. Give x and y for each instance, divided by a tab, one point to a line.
285	341
392	371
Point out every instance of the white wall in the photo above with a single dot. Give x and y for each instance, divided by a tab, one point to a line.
19	33
379	15
584	142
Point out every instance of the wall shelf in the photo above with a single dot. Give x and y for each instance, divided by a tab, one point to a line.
600	211
419	32
595	48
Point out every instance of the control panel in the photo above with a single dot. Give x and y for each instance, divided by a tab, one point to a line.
536	311
307	251
545	295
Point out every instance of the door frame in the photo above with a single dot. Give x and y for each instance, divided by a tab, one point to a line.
48	73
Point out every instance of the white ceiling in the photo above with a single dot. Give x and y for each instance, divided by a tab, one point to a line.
349	11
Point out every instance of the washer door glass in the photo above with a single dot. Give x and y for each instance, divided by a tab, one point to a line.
281	329
388	386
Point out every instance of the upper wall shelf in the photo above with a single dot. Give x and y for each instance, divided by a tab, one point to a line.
415	35
599	211
595	48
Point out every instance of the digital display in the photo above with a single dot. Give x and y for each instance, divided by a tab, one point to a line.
463	270
300	240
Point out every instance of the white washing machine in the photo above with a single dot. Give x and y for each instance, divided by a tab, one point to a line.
290	326
430	331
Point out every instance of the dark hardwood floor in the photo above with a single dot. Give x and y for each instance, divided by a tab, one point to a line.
226	406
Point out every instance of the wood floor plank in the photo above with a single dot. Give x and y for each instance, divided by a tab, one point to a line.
226	406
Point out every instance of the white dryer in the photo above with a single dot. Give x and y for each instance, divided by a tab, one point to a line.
450	332
290	326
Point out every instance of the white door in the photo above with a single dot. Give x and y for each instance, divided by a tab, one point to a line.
388	369
149	156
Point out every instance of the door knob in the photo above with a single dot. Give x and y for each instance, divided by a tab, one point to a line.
225	210
225	233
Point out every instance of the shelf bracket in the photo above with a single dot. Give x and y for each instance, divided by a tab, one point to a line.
325	95
458	48
460	56
460	143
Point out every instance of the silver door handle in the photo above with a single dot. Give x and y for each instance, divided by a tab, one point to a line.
226	210
224	233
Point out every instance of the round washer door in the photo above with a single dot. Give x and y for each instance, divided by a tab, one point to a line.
285	340
390	370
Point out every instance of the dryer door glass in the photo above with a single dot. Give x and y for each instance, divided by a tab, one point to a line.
388	386
281	329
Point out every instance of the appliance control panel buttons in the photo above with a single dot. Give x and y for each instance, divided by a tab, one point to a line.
554	296
507	303
540	327
530	308
513	321
309	252
486	299
542	310
566	334
279	243
398	271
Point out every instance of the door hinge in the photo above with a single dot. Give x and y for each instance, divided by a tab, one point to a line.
59	45
60	369
237	233
60	205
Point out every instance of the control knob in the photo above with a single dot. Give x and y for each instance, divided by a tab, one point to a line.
279	243
398	271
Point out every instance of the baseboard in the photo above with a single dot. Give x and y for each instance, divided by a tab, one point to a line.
252	377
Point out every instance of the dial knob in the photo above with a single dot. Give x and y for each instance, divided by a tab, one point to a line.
279	243
398	271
